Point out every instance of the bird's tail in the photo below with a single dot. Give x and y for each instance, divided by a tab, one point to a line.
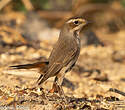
42	66
30	66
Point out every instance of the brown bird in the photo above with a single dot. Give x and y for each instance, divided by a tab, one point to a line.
63	56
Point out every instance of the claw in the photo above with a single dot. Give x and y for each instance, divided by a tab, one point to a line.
54	88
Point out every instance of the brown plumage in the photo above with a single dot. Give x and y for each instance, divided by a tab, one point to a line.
42	66
64	54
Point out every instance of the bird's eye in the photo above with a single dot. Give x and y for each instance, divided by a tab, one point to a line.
76	22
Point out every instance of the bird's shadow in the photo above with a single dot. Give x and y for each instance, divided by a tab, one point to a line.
81	70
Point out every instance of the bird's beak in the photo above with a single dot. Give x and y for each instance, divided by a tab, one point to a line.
85	22
88	22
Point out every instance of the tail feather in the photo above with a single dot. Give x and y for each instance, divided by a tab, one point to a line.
38	80
30	66
42	66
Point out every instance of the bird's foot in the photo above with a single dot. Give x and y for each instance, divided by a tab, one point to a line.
62	95
52	91
58	89
54	88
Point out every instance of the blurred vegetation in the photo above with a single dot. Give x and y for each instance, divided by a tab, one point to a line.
123	3
41	4
18	5
101	1
55	4
38	5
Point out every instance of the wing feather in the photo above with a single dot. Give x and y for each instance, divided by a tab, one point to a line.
61	55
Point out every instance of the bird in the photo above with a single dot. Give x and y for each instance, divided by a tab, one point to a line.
63	56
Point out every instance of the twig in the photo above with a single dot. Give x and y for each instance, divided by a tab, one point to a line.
28	5
3	3
54	15
117	91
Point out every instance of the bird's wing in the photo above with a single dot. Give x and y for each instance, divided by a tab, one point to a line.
61	55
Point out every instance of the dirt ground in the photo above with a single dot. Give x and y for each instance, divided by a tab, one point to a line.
97	82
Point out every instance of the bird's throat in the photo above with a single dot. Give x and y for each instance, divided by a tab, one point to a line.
76	34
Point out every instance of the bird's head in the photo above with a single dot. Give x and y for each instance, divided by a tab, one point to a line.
75	24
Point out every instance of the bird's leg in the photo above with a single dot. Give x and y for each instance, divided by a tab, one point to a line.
54	88
57	85
59	80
